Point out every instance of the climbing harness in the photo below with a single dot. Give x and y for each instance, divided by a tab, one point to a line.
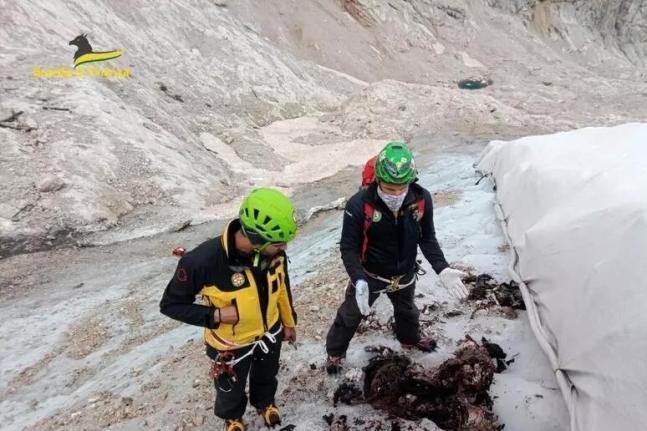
223	364
393	284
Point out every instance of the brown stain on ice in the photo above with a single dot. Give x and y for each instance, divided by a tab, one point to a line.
445	198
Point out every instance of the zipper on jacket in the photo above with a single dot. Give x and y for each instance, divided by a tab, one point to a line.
233	327
397	240
257	279
263	318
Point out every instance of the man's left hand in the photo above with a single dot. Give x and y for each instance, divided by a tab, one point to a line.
451	279
290	334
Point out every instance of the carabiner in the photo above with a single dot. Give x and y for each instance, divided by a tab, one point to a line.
223	368
395	283
225	357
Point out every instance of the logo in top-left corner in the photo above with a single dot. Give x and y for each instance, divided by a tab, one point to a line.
84	53
85	56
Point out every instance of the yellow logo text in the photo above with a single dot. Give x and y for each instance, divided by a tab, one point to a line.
88	71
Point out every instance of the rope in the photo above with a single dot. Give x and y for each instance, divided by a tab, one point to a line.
393	285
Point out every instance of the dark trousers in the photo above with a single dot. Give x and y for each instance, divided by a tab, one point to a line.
261	368
405	313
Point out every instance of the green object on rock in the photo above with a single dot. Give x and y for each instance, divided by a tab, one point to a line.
474	84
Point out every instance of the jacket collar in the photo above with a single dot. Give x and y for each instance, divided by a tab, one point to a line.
235	260
228	240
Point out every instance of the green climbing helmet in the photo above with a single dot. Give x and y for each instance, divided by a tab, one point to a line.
395	164
270	214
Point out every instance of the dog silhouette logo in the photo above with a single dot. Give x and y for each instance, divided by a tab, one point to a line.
84	53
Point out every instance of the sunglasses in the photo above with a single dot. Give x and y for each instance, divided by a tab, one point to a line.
257	240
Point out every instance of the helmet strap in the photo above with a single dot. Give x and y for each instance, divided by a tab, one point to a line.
257	253
258	247
257	258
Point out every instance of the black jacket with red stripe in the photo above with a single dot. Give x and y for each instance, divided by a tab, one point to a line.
392	241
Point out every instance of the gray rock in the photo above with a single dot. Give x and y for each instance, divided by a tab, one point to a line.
31	123
50	184
7	211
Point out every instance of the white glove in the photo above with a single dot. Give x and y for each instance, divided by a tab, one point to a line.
451	279
361	296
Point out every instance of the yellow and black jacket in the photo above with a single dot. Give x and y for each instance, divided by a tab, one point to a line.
215	271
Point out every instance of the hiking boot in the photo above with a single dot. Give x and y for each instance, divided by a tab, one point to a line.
271	415
234	425
426	344
334	364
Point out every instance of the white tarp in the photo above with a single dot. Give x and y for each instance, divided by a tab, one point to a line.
573	206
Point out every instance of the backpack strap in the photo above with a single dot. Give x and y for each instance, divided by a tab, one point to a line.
368	213
420	203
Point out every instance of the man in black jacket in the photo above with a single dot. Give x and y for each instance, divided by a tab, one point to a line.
383	226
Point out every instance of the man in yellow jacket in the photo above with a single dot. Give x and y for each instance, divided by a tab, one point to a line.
246	310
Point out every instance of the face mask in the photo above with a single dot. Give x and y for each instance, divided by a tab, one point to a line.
393	202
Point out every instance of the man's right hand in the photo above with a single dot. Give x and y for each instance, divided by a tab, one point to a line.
227	314
361	296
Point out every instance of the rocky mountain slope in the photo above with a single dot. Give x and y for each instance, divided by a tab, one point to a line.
187	133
